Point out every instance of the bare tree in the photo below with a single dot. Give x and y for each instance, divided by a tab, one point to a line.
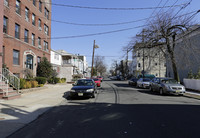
162	32
99	64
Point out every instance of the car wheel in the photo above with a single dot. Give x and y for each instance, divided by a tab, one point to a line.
151	89
161	91
93	96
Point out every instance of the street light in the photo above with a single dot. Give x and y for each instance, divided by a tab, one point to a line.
94	46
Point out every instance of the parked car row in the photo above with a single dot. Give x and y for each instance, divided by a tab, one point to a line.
160	85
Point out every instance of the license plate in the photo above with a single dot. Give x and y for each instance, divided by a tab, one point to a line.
177	91
80	94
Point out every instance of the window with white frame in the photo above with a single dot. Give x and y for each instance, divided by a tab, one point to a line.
33	39
18	6
34	2
40	6
46	29
17	31
33	19
39	24
46	13
15	57
26	35
39	43
26	14
5	24
46	46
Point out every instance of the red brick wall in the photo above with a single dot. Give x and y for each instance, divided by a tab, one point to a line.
1	31
19	44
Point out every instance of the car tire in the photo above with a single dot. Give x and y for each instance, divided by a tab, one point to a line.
161	91
151	89
93	96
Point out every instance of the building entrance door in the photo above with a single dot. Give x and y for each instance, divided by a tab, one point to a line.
29	62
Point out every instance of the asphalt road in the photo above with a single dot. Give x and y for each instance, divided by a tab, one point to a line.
118	111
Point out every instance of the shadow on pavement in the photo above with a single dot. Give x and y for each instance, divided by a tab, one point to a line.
89	120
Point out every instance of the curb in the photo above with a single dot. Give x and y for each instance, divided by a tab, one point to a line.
189	95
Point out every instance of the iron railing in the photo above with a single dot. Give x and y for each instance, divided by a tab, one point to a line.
13	80
4	84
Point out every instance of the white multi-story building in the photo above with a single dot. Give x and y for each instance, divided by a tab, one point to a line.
154	62
67	65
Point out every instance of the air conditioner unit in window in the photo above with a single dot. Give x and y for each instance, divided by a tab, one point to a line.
40	47
40	28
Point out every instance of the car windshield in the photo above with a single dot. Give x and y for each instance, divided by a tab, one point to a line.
146	80
170	81
84	83
95	79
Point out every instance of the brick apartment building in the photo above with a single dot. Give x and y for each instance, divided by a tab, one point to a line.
26	34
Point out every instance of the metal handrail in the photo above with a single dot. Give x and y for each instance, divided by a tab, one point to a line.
2	86
13	80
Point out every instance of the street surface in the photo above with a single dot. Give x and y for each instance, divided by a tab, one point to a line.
117	111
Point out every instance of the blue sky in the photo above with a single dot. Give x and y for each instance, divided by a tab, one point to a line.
110	45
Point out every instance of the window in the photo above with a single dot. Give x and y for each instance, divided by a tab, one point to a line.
38	59
18	6
39	43
33	19
40	6
34	2
46	46
26	35
46	13
26	14
17	29
33	39
139	65
5	24
6	3
138	54
156	64
39	24
15	57
46	29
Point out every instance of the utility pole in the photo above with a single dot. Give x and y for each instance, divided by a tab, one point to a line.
92	59
94	46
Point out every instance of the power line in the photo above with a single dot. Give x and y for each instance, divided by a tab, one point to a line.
101	33
103	8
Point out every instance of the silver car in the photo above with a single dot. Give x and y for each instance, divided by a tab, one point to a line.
167	85
143	82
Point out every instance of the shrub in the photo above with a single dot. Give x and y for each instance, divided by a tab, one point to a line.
22	83
63	80
40	85
50	80
54	80
41	80
27	85
34	84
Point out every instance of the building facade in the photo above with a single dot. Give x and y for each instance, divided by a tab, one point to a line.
151	60
68	65
26	34
1	30
187	53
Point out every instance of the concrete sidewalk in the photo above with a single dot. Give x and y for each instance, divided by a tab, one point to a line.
14	114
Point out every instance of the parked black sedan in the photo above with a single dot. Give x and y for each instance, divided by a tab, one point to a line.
83	88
